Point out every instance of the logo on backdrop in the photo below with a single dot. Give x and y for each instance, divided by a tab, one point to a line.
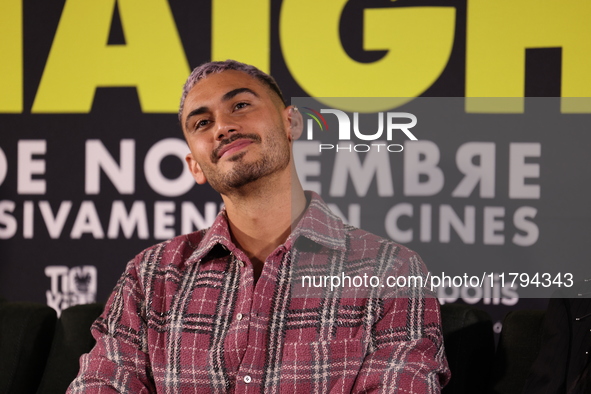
70	286
395	121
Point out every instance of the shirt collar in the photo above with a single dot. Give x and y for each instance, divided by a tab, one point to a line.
318	224
217	234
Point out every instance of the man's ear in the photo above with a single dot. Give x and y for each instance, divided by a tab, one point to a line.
296	122
195	169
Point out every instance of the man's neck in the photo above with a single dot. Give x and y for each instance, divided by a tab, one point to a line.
261	219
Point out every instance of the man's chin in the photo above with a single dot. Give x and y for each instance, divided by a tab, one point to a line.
233	186
236	156
236	178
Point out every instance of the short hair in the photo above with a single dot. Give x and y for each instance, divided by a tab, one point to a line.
206	69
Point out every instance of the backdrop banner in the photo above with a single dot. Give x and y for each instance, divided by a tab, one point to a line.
488	201
92	164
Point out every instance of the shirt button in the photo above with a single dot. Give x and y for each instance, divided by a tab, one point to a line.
239	317
241	264
247	379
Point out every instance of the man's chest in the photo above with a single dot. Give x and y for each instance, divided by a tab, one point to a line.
211	328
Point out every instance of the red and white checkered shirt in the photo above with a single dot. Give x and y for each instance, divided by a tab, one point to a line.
188	317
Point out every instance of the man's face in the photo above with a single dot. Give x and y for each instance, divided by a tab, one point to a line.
237	131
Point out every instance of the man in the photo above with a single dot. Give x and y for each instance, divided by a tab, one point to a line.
214	311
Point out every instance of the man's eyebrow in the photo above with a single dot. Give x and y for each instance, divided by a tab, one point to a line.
225	97
235	92
196	111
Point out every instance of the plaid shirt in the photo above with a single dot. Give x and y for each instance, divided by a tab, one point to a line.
187	316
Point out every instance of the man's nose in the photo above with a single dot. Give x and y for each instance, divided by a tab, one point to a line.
225	126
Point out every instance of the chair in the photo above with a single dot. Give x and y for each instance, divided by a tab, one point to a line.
72	339
26	332
518	347
469	347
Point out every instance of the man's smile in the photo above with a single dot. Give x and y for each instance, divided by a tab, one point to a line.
234	147
233	144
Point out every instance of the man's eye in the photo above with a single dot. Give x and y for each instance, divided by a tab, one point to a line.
201	123
241	105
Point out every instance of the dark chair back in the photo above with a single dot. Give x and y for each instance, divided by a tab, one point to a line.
518	347
72	339
26	333
469	347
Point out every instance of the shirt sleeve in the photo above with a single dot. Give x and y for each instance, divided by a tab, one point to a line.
119	362
408	355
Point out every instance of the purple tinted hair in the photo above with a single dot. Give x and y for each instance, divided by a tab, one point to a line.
207	69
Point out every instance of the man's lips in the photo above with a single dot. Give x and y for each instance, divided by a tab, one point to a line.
234	147
233	144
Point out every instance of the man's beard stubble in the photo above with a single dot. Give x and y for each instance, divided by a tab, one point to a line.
275	157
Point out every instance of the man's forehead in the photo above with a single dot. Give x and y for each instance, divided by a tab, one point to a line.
216	85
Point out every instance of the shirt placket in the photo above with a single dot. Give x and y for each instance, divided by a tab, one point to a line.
249	378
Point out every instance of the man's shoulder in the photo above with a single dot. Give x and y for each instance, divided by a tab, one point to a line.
357	236
325	227
176	251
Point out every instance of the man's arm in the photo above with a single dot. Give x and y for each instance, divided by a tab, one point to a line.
119	361
408	354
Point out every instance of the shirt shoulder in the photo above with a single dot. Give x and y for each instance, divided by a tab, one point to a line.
357	237
178	251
